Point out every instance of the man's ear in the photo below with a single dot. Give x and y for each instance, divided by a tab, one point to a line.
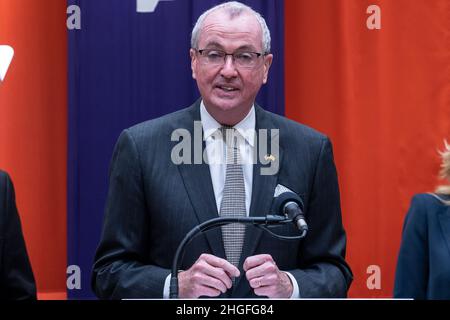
267	63
194	62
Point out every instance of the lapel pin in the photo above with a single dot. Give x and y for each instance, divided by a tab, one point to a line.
269	157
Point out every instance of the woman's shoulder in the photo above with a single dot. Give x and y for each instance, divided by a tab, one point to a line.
430	200
442	197
425	207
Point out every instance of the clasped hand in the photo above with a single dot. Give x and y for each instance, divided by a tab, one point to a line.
210	276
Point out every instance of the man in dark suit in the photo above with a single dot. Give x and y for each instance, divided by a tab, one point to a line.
158	193
16	276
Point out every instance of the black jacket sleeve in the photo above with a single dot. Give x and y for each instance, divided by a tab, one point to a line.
16	276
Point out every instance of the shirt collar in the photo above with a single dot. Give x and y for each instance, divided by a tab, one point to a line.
246	127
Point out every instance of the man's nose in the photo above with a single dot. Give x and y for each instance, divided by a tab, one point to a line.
229	68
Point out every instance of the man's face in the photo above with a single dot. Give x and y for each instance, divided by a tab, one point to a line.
228	90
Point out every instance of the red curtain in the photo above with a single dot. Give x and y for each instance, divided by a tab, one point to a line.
383	97
33	131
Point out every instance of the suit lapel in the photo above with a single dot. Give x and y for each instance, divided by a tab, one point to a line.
198	185
263	188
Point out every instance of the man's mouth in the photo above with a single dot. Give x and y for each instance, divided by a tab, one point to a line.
227	88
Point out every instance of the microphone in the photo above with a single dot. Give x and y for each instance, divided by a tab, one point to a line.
289	204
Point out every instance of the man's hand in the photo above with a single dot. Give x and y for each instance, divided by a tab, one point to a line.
265	278
209	276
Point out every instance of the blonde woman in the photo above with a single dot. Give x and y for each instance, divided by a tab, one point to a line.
423	267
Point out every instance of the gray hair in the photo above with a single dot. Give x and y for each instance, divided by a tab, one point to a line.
234	9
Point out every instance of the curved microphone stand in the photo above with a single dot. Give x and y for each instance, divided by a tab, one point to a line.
260	222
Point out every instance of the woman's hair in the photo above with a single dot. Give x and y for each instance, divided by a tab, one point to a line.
445	170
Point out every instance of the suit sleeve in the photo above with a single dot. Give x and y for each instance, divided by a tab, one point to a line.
17	280
323	271
412	271
120	268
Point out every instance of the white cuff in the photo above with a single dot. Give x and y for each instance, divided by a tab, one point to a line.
166	291
295	291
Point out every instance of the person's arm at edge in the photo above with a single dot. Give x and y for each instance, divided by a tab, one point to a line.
412	271
17	276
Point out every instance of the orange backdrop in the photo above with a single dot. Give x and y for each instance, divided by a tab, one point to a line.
383	96
33	131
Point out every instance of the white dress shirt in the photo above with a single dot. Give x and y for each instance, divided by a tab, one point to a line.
216	153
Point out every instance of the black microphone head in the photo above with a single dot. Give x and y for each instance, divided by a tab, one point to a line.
283	198
289	204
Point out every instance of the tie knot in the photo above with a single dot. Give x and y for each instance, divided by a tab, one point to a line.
230	135
225	129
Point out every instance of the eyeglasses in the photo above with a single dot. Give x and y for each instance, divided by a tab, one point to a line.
242	59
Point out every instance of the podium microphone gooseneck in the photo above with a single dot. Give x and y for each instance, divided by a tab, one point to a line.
287	203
